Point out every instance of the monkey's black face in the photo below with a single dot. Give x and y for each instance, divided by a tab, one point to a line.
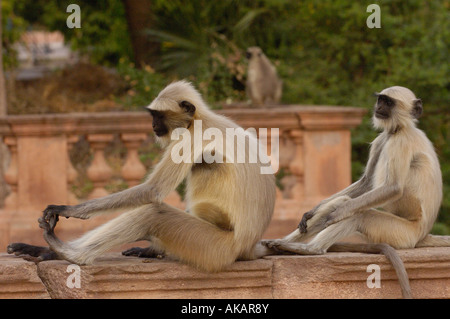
384	107
165	121
250	53
159	127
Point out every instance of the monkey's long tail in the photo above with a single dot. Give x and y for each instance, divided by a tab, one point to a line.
384	249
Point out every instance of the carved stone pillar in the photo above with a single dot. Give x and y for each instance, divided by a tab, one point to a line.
11	175
297	165
133	170
99	171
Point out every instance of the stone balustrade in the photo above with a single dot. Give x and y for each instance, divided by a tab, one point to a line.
315	150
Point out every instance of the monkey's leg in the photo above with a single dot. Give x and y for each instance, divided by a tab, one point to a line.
315	224
278	91
377	226
383	227
128	227
434	241
256	97
187	237
321	242
352	191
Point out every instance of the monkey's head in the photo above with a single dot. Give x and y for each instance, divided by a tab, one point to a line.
176	106
253	52
396	107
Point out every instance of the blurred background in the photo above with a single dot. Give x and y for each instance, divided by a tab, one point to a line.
126	51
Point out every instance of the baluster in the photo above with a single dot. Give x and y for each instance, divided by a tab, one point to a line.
133	170
11	175
99	171
297	166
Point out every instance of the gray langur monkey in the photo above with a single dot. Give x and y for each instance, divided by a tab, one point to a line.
395	202
229	204
263	85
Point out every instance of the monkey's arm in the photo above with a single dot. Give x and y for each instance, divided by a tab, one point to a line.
363	185
397	169
166	176
375	198
354	190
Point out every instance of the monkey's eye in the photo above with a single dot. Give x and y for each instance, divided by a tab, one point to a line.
156	114
386	100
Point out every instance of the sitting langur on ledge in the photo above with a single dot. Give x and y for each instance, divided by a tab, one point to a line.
229	203
263	86
397	199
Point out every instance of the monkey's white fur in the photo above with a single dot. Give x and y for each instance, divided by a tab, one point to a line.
229	205
401	114
395	202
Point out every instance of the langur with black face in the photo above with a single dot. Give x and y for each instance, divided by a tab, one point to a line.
263	86
395	202
229	203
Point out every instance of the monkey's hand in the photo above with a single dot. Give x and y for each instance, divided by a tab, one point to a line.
55	210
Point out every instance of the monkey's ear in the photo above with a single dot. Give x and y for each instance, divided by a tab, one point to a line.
417	108
187	107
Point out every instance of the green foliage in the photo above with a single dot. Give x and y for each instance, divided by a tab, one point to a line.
202	40
144	84
12	27
323	50
325	54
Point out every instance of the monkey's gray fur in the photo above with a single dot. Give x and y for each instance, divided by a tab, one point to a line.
263	85
397	199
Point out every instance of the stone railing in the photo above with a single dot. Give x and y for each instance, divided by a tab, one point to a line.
315	150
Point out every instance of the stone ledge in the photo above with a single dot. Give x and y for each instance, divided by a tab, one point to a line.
333	275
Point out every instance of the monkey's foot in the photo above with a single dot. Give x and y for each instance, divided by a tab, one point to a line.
274	244
31	253
296	248
148	252
303	223
48	223
63	250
